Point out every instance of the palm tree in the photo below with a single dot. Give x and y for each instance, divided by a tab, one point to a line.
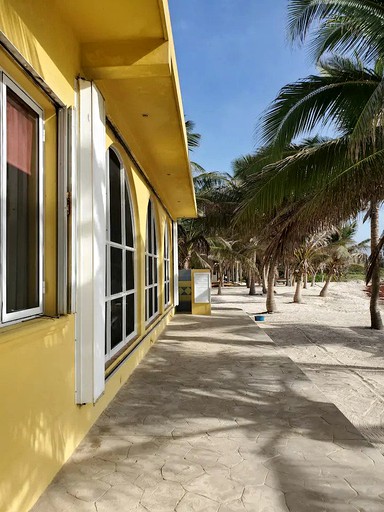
338	26
278	231
193	138
342	180
304	256
340	251
192	244
221	254
346	27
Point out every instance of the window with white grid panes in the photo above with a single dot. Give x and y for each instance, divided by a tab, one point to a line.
167	266
120	302
151	268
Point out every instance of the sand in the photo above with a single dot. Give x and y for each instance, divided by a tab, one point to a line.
330	340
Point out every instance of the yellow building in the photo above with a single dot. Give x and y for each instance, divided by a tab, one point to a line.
95	172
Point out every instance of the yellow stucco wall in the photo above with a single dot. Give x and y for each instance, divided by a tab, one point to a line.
40	423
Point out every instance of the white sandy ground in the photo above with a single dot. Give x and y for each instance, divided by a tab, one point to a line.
330	339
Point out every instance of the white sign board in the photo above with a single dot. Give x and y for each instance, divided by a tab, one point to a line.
202	287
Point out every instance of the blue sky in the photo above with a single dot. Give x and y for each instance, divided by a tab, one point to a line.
233	57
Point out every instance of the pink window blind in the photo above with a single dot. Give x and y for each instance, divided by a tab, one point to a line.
20	131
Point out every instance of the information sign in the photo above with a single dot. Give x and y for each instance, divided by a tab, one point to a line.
202	287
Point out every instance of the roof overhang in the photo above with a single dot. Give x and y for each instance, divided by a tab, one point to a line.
127	49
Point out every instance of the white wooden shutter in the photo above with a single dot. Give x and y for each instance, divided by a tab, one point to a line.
175	251
91	205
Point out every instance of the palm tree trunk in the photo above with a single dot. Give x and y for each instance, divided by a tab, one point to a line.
287	275
314	279
271	303
220	287
252	289
264	275
324	290
297	296
376	321
187	262
305	279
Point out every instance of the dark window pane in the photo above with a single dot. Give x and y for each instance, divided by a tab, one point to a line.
146	304
150	270
166	245
128	222
114	198
130	314
106	270
129	270
154	238
22	222
155	270
116	322
116	270
166	293
149	228
106	327
156	300
150	303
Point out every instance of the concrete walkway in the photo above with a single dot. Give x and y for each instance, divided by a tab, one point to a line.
217	419
329	339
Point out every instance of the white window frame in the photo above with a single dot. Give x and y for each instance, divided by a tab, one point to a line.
154	256
123	247
167	265
7	82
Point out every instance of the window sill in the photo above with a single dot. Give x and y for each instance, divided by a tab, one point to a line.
30	325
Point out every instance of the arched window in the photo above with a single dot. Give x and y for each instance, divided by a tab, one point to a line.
151	272
167	266
120	301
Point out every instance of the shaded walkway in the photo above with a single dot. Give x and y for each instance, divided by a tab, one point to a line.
216	419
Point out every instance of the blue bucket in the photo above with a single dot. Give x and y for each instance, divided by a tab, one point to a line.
259	318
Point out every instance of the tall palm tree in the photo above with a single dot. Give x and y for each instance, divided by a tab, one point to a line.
343	179
192	244
277	228
341	26
193	138
304	255
340	252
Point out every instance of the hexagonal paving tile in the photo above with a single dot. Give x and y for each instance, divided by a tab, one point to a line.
217	488
163	498
181	470
195	503
120	497
87	490
264	498
249	473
